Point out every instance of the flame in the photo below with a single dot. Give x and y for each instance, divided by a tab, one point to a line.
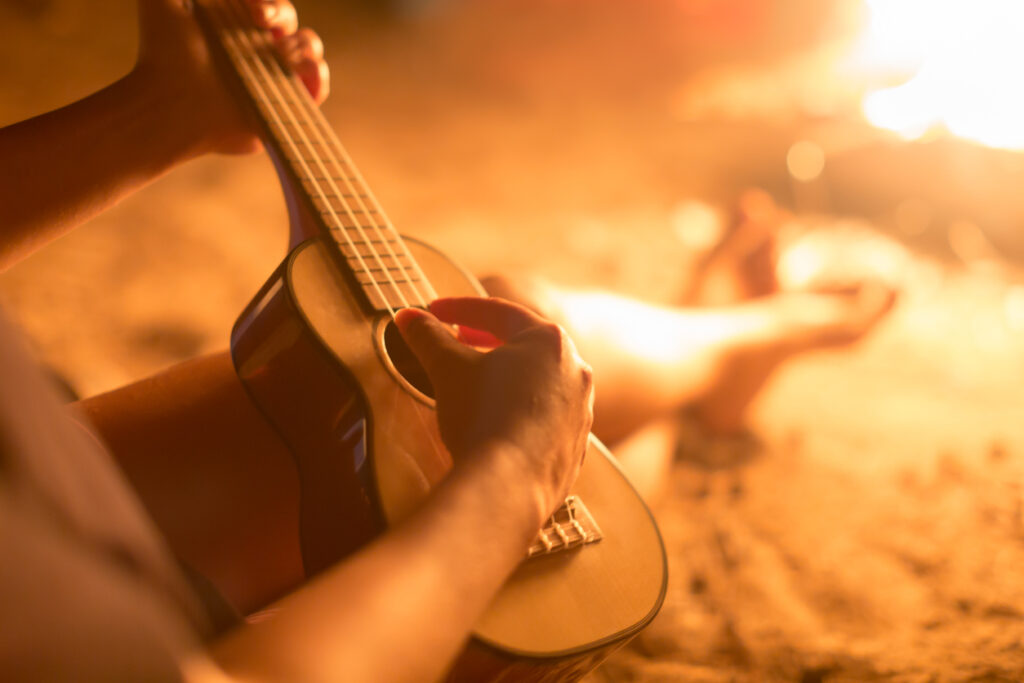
964	58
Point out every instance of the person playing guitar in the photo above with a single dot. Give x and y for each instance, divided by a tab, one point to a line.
93	587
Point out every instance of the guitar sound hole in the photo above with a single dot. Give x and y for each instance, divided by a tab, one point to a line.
405	361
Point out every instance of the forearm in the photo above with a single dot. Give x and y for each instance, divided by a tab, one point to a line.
222	488
64	167
401	609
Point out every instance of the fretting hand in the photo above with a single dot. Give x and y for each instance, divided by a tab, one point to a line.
529	400
173	54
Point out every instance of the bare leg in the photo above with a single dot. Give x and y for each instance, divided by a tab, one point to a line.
713	354
218	482
740	268
651	360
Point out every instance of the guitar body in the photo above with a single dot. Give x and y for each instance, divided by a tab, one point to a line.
337	385
318	354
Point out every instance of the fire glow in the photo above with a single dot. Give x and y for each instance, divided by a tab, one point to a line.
964	59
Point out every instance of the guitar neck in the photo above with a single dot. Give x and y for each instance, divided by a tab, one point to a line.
343	207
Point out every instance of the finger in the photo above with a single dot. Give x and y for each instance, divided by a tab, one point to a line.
316	76
478	338
431	341
501	318
183	8
303	52
302	45
277	16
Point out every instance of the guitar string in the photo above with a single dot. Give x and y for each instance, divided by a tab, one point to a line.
316	119
303	101
351	173
333	138
436	447
261	96
244	28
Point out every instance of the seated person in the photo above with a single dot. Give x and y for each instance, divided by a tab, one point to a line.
92	584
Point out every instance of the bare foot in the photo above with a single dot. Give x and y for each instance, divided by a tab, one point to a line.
742	265
826	318
652	360
742	270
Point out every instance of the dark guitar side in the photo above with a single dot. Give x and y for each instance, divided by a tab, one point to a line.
330	397
316	407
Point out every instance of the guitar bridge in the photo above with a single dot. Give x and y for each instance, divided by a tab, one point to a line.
572	526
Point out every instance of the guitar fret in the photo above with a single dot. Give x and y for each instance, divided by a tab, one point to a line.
315	155
270	103
333	204
366	249
331	195
313	162
315	181
366	280
321	190
347	212
350	227
306	142
387	270
368	246
297	128
377	269
377	262
356	236
314	173
270	99
334	191
371	266
384	295
341	206
304	139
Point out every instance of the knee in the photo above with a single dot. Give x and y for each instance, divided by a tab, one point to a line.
526	290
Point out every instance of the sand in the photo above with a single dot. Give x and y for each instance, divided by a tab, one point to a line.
879	532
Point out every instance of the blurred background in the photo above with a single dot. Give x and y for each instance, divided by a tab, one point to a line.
604	143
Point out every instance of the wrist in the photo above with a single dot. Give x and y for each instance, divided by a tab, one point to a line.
499	469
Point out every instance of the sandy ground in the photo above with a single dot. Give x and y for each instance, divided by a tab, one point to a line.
880	533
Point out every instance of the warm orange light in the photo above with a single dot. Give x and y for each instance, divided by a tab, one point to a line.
964	59
805	160
643	330
843	254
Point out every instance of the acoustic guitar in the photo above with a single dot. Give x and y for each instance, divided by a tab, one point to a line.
319	354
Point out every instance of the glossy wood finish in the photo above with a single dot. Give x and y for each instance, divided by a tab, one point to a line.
318	411
368	450
367	447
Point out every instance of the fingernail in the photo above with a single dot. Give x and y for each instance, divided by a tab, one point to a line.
478	338
404	317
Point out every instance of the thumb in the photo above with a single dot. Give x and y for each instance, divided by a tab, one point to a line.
430	340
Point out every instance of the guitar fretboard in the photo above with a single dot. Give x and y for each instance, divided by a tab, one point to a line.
333	188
